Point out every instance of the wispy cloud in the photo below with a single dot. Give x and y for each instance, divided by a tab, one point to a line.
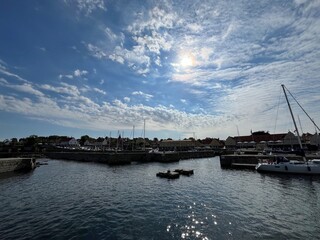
4	71
99	91
66	76
25	87
142	94
88	6
79	73
43	49
148	44
80	112
76	74
64	88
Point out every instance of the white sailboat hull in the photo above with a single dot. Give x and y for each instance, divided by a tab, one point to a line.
290	167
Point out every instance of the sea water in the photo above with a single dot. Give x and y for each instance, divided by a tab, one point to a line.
73	200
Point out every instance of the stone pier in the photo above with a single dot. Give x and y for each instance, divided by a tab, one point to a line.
128	157
17	164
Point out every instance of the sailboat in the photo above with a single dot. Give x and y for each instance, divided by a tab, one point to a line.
283	165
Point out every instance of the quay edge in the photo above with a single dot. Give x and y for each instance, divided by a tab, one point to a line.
17	164
122	158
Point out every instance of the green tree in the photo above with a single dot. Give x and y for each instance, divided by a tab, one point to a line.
83	139
31	141
100	139
14	141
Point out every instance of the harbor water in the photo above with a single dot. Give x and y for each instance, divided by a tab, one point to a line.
74	200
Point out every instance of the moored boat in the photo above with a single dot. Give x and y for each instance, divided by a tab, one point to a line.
283	165
168	174
184	172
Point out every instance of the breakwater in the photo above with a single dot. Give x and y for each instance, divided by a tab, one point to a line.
16	164
128	157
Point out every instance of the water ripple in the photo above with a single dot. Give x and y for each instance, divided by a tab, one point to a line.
70	200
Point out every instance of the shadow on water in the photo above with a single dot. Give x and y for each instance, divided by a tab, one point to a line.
7	175
290	177
232	169
278	176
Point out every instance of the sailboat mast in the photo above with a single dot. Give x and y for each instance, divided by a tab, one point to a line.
132	137
144	134
294	121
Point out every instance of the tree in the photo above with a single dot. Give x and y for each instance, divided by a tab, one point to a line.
83	139
31	141
14	141
100	139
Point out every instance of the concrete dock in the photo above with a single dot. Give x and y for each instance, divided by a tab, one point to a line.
128	157
17	164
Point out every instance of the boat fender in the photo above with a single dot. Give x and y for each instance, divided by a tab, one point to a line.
286	168
309	169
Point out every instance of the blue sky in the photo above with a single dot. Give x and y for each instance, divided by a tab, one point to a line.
189	68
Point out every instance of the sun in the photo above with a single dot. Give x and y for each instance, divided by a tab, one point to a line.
186	60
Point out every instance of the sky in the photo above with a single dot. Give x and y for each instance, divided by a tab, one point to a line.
185	68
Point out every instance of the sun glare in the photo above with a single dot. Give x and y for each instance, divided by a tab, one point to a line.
186	60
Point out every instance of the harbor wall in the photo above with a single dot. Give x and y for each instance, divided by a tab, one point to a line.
17	164
126	158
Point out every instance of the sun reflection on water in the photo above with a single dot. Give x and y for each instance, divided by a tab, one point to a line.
197	219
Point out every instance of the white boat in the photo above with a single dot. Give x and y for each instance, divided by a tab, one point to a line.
283	165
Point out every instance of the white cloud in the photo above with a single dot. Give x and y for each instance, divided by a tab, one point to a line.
142	94
80	73
149	41
76	74
3	81
63	89
43	49
116	58
66	76
25	87
110	34
99	91
135	59
5	71
153	20
96	51
155	42
2	63
194	27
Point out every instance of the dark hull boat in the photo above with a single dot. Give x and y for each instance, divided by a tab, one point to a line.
184	172
168	174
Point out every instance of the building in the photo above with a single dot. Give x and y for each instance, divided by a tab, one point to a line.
262	140
315	142
101	144
69	143
211	143
190	144
177	145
